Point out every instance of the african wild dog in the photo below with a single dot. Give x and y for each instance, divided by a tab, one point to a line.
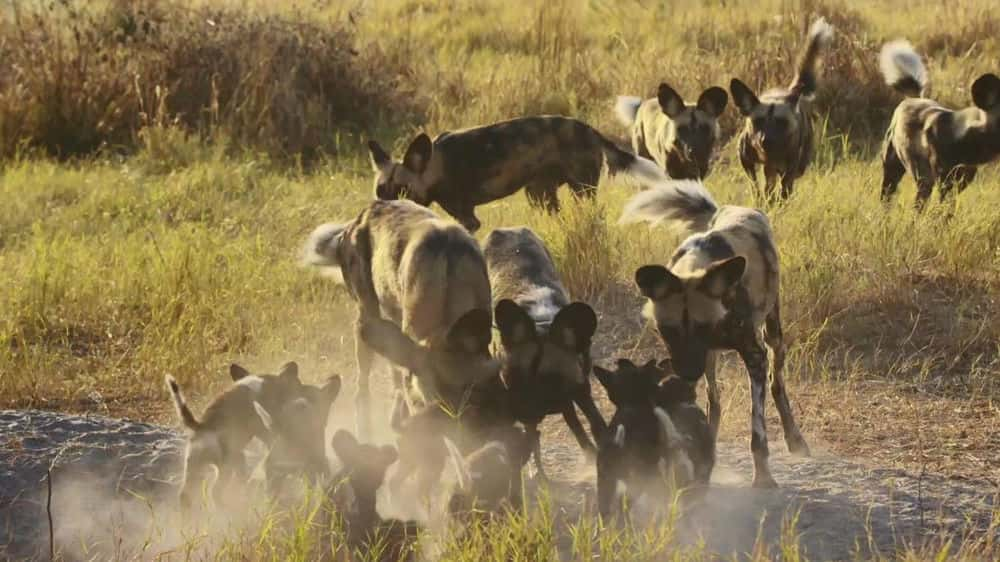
680	137
401	261
470	167
226	426
489	477
545	339
643	444
930	140
778	134
298	446
719	292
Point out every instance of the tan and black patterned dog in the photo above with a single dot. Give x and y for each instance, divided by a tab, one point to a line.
401	261
719	292
545	338
227	425
681	137
470	167
930	141
778	134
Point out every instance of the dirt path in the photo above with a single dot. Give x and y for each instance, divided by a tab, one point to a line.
841	505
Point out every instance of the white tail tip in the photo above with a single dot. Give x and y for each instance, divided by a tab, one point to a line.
626	108
821	30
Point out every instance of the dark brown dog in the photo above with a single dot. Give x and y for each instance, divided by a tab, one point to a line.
930	141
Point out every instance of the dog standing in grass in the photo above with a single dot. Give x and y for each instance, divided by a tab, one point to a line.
462	169
930	141
778	134
679	136
719	292
401	261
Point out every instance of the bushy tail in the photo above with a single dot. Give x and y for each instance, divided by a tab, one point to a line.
187	417
320	249
626	108
820	35
902	68
684	205
644	170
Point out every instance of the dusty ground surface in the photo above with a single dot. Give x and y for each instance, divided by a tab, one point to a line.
842	507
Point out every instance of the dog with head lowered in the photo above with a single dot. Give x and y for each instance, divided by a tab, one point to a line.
930	141
719	292
679	136
545	338
778	134
462	169
400	261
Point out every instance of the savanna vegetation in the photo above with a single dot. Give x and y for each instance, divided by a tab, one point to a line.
163	162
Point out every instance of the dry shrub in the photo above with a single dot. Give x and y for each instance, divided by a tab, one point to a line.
78	79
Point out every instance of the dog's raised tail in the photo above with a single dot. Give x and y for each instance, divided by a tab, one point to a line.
187	417
626	108
684	205
819	36
320	249
644	170
902	68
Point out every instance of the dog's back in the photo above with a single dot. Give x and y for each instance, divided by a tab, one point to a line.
521	269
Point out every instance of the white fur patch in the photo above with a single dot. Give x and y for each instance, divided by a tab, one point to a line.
458	464
673	437
626	108
620	490
619	439
898	61
320	249
264	416
253	382
683	204
543	308
821	30
647	172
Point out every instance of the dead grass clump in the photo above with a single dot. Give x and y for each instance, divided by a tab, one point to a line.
77	79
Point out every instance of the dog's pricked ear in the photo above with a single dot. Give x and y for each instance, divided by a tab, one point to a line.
472	332
713	101
237	372
346	447
289	372
378	156
657	282
721	276
573	326
743	97
418	154
516	326
986	92
671	102
388	340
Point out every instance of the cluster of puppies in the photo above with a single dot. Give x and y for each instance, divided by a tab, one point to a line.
428	295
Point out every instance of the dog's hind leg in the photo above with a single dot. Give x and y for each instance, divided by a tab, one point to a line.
959	176
362	400
714	404
893	171
924	175
755	358
573	422
536	450
774	338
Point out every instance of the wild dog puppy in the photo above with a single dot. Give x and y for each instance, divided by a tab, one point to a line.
642	444
778	134
678	397
489	477
545	339
298	445
462	169
367	533
679	136
402	262
718	292
226	426
930	141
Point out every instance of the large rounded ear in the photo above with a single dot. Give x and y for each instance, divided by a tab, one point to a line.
378	156
986	91
721	276
289	372
516	326
237	372
418	155
671	102
657	282
346	447
713	101
573	326
388	340
472	332
743	96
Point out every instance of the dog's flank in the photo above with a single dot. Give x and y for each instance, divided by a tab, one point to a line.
462	169
934	143
719	291
903	69
681	137
778	132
